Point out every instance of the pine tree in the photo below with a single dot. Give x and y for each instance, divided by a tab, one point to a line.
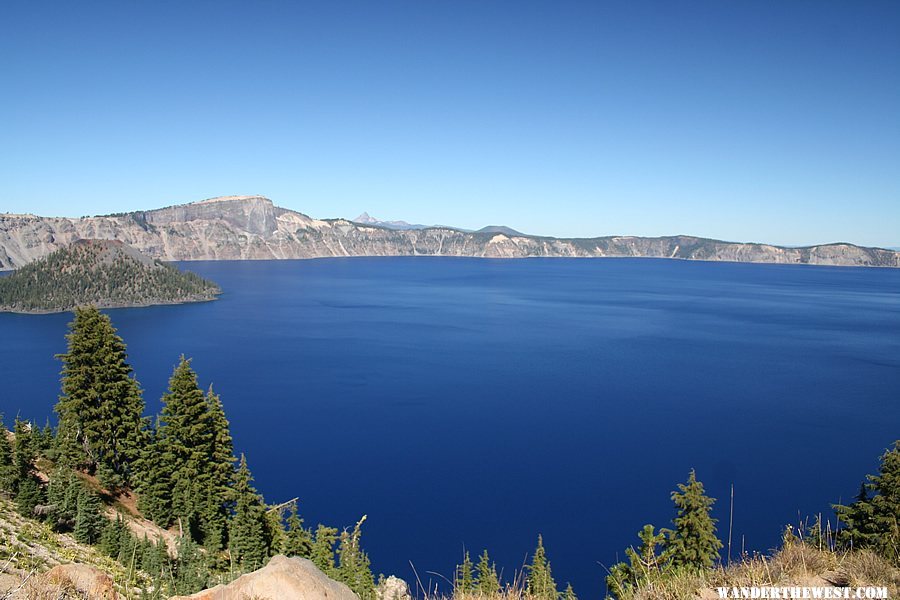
247	535
873	521
297	539
486	581
569	594
322	552
643	564
154	483
464	582
27	488
187	435
540	582
353	564
62	493
220	469
693	543
7	468
191	573
100	410
89	520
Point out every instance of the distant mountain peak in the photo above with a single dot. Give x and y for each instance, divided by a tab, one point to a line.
367	219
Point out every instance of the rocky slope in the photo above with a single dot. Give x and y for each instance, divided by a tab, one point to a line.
241	227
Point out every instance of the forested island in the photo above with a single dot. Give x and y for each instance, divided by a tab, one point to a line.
103	273
162	506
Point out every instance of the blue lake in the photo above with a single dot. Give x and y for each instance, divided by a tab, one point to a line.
476	403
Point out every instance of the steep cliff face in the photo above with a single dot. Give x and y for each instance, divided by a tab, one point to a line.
251	227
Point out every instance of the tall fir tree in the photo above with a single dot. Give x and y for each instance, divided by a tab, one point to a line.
487	583
154	483
27	487
89	520
322	552
353	563
7	468
187	436
540	584
248	539
464	582
220	476
692	544
100	409
297	539
873	519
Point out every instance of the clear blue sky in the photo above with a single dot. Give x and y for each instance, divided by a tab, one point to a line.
755	120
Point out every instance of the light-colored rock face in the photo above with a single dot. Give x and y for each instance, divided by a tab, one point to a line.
251	227
393	588
282	579
85	580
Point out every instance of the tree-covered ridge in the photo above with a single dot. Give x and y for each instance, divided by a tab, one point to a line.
103	273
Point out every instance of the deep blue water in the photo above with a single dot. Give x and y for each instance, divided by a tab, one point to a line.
477	403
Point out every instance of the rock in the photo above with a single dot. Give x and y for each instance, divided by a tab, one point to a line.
85	579
393	588
282	579
252	227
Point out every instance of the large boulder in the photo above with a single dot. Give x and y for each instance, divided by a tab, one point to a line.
392	588
282	579
75	580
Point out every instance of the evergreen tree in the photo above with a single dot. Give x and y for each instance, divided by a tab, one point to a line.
27	487
465	581
247	535
644	563
220	469
89	520
114	537
322	552
297	539
191	573
569	594
7	468
100	410
353	564
487	583
873	521
155	484
62	493
693	543
187	435
540	584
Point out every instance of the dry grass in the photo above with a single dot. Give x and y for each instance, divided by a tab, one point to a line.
795	564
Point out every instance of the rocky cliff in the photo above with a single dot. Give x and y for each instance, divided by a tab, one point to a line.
252	227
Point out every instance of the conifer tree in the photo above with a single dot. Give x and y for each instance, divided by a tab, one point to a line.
487	583
191	574
220	476
643	563
540	584
89	521
248	541
297	539
154	483
187	435
27	488
569	594
693	543
322	552
62	493
353	564
873	521
7	468
465	581
100	410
